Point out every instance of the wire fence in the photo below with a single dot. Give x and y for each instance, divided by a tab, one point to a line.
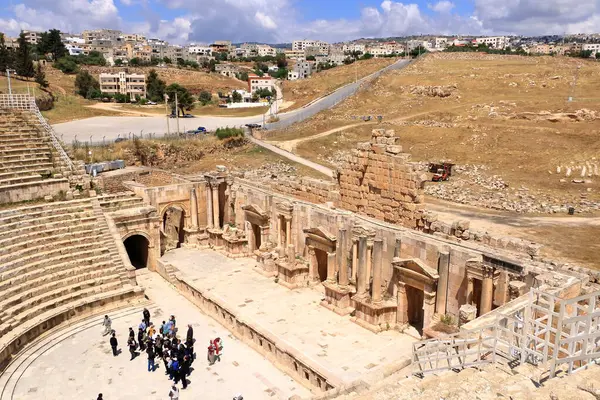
332	99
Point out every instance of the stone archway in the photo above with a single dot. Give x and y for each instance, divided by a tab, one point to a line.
258	226
137	247
321	246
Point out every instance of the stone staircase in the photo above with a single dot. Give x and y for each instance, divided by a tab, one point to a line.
120	201
56	257
30	166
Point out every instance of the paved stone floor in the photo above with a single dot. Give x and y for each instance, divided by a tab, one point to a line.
337	344
81	366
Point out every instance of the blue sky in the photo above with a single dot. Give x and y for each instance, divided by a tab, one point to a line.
276	21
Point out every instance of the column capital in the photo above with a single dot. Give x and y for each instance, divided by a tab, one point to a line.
487	271
214	184
287	218
311	250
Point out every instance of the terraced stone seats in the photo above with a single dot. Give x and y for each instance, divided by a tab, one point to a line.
55	258
29	166
120	201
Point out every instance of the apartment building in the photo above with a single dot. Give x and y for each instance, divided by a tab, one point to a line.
129	84
111	34
228	70
199	50
298	45
256	82
74	50
593	47
352	47
11	43
294	54
32	37
302	69
221	46
174	52
264	50
337	57
158	47
441	43
494	42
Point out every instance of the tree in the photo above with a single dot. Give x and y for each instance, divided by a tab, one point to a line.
155	87
366	56
135	62
67	65
236	97
6	59
85	83
264	93
167	60
118	62
94	58
51	43
204	97
40	76
281	60
185	100
23	62
598	55
243	76
311	58
417	51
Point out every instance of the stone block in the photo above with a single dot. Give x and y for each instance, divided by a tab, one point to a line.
394	149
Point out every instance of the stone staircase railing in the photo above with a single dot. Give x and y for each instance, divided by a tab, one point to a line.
26	102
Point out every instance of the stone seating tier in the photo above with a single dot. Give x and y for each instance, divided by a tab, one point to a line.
54	255
120	201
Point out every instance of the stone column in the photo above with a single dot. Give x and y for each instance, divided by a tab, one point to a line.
194	208
377	270
402	310
342	259
369	264
487	290
428	306
331	267
288	231
354	259
216	208
279	244
470	290
361	280
442	288
209	207
263	237
313	274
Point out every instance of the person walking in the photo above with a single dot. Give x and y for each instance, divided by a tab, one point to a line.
99	397
132	345
146	315
151	356
167	363
189	342
174	393
174	370
131	333
184	371
113	344
141	341
107	324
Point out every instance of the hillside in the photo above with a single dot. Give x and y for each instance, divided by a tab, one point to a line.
303	91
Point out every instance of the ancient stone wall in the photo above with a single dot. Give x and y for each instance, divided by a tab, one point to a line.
309	189
113	183
377	180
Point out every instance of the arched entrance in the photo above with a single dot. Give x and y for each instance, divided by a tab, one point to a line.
172	229
137	250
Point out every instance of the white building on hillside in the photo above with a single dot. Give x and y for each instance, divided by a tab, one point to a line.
129	84
256	82
593	47
494	42
264	50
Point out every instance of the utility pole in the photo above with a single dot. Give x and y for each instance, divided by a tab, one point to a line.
177	112
8	78
167	113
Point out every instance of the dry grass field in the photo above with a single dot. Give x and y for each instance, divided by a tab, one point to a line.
303	91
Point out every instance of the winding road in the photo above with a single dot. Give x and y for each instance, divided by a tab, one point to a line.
110	128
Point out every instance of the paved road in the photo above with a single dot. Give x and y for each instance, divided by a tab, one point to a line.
110	128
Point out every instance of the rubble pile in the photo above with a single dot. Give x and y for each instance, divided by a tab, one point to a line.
270	171
430	91
471	184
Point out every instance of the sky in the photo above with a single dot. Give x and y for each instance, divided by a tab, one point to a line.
280	21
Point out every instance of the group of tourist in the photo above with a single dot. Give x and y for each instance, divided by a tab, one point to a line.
163	343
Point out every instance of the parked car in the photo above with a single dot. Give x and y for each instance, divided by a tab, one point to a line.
151	103
197	131
252	126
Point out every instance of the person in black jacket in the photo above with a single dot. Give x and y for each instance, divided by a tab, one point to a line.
140	336
146	315
189	342
113	344
184	371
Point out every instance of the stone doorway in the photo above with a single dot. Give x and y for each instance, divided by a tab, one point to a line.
137	249
414	298
172	232
477	295
321	256
256	235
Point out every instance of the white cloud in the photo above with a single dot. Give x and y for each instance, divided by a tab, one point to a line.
442	7
175	31
266	21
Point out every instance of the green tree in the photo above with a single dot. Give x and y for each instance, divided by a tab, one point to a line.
51	43
118	62
204	97
417	51
598	55
236	97
6	59
94	58
67	65
311	58
167	60
40	76
23	61
155	87
366	56
185	100
85	83
212	65
243	76
134	62
281	60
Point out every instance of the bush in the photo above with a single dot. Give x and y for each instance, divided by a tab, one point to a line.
121	98
224	133
205	97
66	65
